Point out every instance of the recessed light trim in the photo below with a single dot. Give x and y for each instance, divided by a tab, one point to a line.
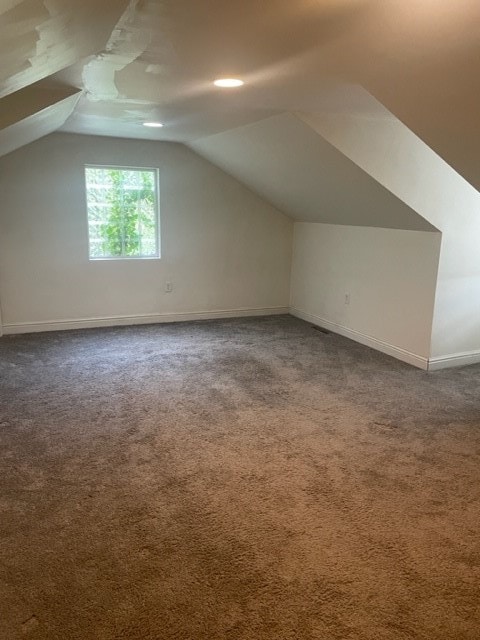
157	125
228	83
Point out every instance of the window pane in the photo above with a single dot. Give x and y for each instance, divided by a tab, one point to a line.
122	219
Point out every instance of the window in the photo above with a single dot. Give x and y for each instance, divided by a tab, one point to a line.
122	207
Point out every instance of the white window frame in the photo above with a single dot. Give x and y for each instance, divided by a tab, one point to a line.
158	235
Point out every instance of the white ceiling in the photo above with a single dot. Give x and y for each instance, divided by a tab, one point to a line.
286	162
30	100
38	39
156	59
47	116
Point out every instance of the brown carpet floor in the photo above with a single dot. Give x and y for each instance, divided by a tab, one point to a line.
249	479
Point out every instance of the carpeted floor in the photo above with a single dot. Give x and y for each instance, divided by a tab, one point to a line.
249	479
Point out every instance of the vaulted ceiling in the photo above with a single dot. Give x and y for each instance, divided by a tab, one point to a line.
156	59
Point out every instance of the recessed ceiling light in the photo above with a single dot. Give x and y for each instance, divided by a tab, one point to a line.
153	124
228	83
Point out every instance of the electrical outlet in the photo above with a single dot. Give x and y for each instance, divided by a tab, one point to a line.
347	298
168	287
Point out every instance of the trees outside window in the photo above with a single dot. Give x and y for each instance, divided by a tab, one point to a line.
122	206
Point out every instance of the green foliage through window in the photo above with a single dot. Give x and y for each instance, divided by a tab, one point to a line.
122	212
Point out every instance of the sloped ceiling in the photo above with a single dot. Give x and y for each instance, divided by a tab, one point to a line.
286	162
420	59
39	38
33	112
24	103
140	60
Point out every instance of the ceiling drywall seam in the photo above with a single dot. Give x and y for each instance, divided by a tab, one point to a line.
120	51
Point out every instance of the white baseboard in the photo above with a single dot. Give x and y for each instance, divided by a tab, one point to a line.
454	360
153	318
396	352
432	364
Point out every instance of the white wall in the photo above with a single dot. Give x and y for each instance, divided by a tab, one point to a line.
389	275
403	163
223	248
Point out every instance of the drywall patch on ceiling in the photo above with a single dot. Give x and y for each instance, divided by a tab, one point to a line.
156	69
36	40
40	38
124	47
20	31
124	118
413	56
